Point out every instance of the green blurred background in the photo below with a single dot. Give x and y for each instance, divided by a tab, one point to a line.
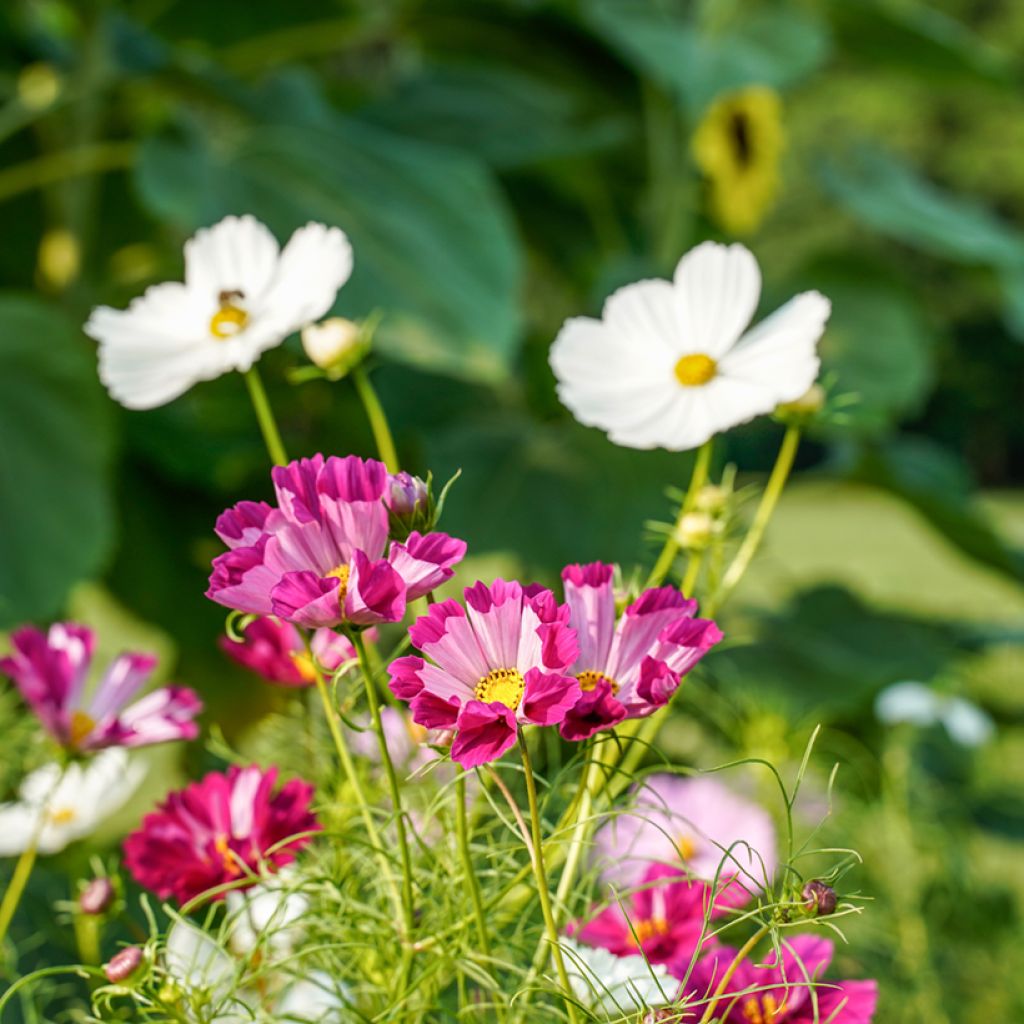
503	164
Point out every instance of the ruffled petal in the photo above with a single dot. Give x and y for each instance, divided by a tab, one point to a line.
483	733
547	697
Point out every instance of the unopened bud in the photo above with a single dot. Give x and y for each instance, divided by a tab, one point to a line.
711	499
335	345
97	896
819	898
123	965
38	86
812	401
695	530
657	1016
409	503
59	258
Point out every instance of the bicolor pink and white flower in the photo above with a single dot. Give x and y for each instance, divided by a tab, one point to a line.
629	665
499	663
666	919
224	828
672	363
322	557
242	295
697	823
275	650
51	670
786	991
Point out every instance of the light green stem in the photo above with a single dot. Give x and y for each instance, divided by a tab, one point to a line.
265	415
668	553
770	498
92	158
22	872
742	955
463	837
377	419
537	856
393	786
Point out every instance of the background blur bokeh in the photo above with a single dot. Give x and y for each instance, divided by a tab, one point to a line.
503	164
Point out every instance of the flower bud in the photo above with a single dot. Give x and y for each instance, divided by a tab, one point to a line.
694	531
38	86
59	259
409	503
819	898
809	404
97	896
123	965
656	1016
711	499
335	345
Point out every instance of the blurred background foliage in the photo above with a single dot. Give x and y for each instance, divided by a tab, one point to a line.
503	164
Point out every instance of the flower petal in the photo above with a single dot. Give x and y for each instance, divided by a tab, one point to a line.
484	733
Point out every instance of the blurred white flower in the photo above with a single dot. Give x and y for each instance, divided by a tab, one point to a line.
915	703
334	343
242	295
88	792
668	365
268	915
616	985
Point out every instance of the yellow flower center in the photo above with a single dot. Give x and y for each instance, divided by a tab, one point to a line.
590	677
761	1011
304	665
694	370
341	574
686	847
231	318
62	815
650	928
502	685
81	725
227	855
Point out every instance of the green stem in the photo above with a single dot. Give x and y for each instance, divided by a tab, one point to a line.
697	480
22	872
462	834
770	498
537	856
265	415
742	955
378	420
696	560
392	777
93	158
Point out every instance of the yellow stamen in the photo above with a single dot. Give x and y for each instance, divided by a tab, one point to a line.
502	685
686	847
650	928
81	725
694	370
62	815
227	855
590	677
763	1011
341	573
304	665
231	318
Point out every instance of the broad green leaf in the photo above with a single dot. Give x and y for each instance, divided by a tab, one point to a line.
434	246
775	47
54	460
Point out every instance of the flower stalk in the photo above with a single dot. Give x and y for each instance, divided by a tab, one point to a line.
265	416
377	418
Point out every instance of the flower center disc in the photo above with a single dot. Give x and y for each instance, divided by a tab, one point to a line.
80	727
62	815
341	574
231	318
694	370
686	847
502	685
590	677
761	1011
650	928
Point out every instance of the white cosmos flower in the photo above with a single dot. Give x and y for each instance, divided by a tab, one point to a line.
670	363
616	985
917	704
242	295
87	794
268	915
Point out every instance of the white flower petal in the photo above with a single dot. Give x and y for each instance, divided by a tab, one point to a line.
616	984
966	723
17	826
236	254
315	998
780	353
197	962
646	316
717	289
909	702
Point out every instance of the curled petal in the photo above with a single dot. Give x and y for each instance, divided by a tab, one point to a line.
425	562
307	600
484	733
242	524
352	479
596	709
296	487
433	711
375	592
547	697
242	580
405	677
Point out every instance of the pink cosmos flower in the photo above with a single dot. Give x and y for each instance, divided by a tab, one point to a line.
790	992
50	670
699	822
321	557
219	830
275	650
631	665
664	919
499	663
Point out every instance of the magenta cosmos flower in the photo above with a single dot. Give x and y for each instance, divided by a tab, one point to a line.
321	557
786	992
628	666
499	663
699	823
275	650
665	919
50	670
219	830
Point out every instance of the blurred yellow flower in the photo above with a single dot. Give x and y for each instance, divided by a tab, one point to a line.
738	145
59	259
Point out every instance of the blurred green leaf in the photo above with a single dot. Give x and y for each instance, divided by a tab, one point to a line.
773	47
434	245
937	484
54	460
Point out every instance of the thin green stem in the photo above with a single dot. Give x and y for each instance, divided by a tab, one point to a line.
696	560
377	418
770	498
744	951
537	856
265	415
93	158
698	478
393	786
466	855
